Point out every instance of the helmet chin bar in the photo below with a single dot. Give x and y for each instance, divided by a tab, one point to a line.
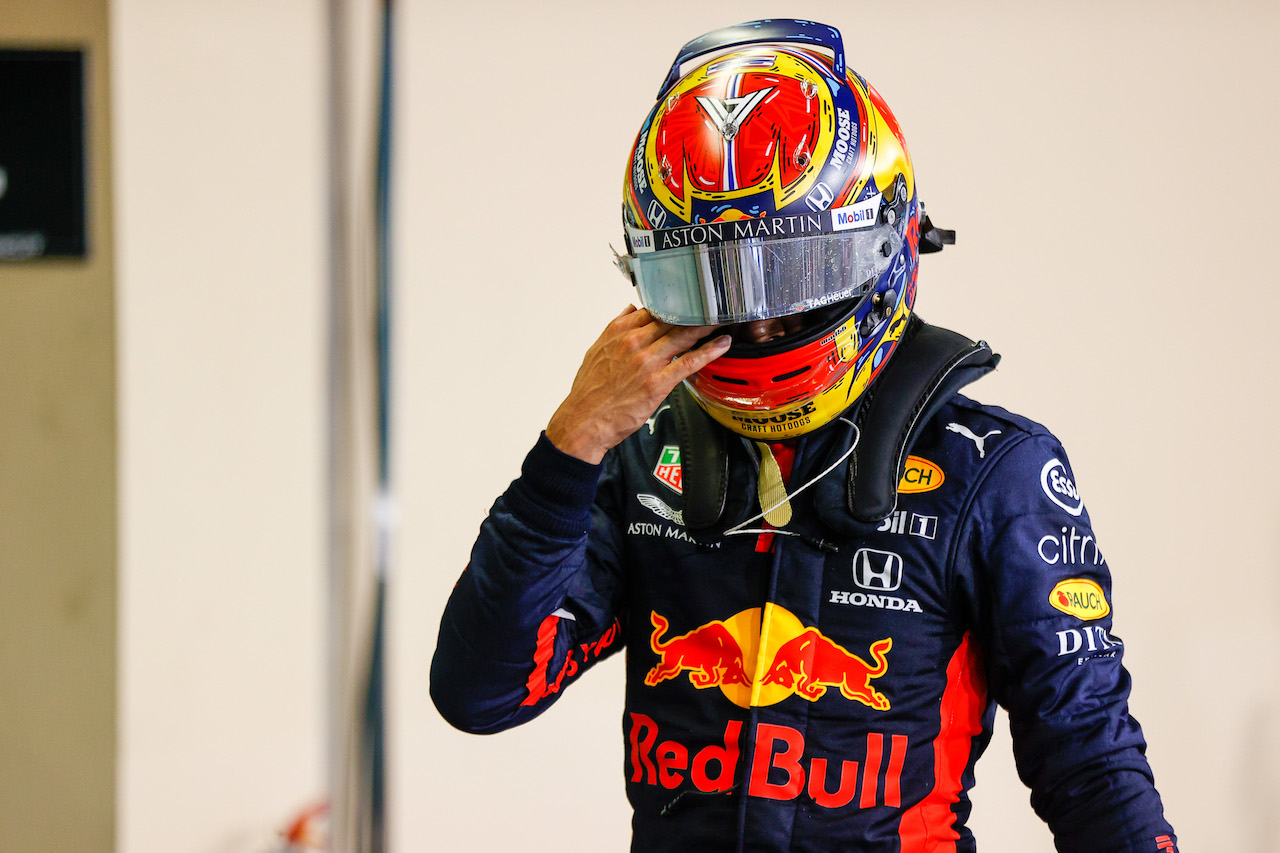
794	385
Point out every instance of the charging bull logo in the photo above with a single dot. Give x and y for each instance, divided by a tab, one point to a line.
710	652
811	663
793	660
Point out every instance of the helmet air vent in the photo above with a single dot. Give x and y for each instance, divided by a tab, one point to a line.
783	377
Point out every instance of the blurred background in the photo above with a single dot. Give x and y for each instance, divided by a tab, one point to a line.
164	618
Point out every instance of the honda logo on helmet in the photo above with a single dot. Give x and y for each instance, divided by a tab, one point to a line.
877	570
657	216
819	197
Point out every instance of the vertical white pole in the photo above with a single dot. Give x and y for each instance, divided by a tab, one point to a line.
358	494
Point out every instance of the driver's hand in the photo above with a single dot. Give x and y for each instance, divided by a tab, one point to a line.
625	375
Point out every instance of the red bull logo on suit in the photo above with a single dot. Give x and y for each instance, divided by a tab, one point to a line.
761	657
710	652
779	768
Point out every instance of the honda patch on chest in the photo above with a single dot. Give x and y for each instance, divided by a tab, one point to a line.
668	468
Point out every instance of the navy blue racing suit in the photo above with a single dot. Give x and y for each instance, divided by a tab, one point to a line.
829	686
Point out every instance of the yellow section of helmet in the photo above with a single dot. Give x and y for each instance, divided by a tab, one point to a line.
887	156
891	155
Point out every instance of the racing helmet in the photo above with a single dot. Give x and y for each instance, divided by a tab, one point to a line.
769	180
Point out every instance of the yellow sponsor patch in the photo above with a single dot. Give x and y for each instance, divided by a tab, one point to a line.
920	475
1080	598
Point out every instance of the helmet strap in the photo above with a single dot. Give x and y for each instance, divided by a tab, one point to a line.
928	367
704	460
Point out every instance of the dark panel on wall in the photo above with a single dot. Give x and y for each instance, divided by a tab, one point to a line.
42	160
58	485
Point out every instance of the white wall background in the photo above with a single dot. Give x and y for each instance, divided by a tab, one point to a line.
219	125
1109	169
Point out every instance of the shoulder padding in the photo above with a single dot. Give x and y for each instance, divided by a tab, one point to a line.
929	366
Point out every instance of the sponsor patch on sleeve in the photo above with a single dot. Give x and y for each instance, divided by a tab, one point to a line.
1080	598
920	475
1060	488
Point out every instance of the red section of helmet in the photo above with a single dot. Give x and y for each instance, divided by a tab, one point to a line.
785	125
772	381
887	116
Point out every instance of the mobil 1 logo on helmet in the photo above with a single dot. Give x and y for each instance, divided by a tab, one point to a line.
1057	484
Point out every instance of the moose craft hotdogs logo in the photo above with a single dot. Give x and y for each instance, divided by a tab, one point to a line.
794	659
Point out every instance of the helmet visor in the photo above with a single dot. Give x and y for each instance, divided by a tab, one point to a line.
758	278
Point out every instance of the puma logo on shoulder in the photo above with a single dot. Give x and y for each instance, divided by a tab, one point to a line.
979	440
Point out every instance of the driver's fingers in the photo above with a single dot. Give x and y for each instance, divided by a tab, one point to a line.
694	360
678	339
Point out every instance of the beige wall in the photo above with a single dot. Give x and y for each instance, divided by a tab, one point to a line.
221	210
58	515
